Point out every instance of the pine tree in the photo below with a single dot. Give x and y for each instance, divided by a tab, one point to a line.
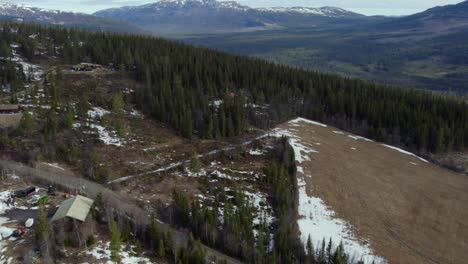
138	248
154	231
161	249
115	242
126	232
169	242
42	226
118	102
69	117
26	124
195	164
310	250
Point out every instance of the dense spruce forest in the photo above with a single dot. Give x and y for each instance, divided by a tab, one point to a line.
210	94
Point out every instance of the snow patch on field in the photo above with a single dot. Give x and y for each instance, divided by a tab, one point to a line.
300	150
405	152
102	252
360	138
300	119
316	219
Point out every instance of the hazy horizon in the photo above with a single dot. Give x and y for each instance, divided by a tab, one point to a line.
366	7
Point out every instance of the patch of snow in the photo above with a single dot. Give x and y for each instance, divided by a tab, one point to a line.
13	176
256	152
216	103
300	119
5	232
300	150
360	138
54	165
102	252
136	113
405	152
259	201
32	71
106	136
97	112
338	132
320	222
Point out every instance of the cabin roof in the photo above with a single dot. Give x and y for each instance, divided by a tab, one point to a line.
76	207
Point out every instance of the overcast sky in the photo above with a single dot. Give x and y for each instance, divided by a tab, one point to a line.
368	7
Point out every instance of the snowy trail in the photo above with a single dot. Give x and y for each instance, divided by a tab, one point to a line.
315	217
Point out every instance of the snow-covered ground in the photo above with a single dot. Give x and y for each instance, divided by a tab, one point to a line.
405	152
258	200
256	152
315	218
5	232
97	112
107	136
32	71
101	253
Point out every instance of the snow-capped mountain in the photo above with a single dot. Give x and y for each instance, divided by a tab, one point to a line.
208	16
17	10
55	17
321	11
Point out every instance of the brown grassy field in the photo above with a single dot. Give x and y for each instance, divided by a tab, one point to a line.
411	211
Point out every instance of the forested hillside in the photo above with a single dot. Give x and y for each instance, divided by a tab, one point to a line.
210	94
427	50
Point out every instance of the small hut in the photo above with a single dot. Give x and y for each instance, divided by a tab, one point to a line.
77	207
71	223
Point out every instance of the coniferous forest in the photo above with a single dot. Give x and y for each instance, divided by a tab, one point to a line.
182	83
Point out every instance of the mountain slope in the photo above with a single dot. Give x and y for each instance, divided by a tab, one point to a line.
68	19
441	19
173	17
427	50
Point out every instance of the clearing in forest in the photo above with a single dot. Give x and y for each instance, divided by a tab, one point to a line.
378	200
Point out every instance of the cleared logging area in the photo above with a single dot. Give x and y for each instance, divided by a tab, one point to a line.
410	210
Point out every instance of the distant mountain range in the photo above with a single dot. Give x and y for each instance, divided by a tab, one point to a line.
25	13
425	50
176	17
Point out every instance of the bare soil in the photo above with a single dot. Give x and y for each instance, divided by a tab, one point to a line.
411	211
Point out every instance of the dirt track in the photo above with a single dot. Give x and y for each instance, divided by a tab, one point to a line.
412	211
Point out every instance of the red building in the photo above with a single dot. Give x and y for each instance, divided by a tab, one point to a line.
10	109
